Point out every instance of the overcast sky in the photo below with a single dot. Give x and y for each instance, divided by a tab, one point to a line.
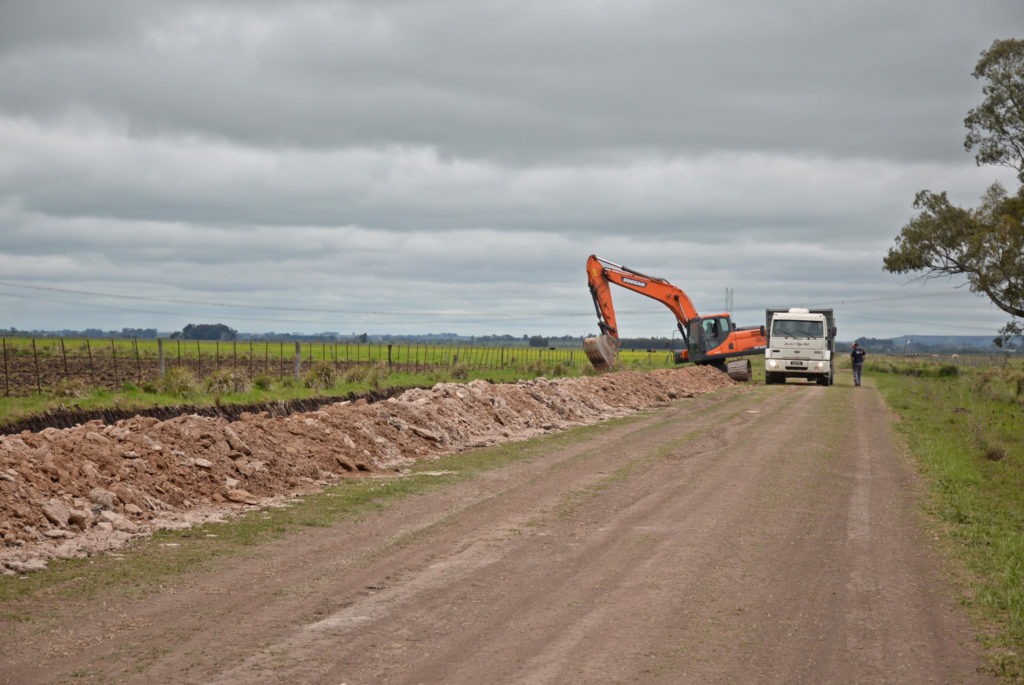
390	166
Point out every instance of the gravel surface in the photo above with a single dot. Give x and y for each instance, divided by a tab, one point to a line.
756	534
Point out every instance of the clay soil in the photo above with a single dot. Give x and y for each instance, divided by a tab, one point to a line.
713	537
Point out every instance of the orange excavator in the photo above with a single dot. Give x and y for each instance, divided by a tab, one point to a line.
711	339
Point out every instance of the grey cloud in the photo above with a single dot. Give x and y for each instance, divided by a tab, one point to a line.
523	81
449	165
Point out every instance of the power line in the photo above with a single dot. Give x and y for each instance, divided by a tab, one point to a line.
257	307
441	314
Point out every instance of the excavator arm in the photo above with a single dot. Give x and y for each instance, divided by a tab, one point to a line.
601	273
707	340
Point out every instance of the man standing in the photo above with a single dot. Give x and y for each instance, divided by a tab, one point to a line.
857	357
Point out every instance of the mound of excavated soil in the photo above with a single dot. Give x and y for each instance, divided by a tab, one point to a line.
76	491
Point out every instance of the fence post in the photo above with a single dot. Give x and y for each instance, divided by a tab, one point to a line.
35	362
389	355
113	355
160	355
92	371
7	380
64	355
138	359
298	359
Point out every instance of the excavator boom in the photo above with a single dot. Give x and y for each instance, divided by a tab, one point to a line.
708	339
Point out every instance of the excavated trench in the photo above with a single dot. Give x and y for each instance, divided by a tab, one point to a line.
94	485
68	418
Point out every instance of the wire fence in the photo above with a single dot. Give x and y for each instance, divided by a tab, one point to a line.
38	365
974	360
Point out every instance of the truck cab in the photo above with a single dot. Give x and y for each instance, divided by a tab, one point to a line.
801	344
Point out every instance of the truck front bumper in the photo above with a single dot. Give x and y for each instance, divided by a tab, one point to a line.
797	368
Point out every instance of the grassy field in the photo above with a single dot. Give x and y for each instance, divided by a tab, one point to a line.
269	355
964	425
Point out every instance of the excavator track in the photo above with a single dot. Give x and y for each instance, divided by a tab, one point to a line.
739	370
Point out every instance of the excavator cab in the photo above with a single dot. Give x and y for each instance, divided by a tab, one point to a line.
706	333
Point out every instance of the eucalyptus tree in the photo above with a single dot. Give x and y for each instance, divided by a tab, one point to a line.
984	244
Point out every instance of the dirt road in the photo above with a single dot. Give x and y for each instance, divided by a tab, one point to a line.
720	539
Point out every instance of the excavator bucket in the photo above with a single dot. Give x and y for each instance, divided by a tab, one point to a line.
602	351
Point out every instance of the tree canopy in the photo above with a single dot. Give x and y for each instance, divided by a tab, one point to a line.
996	126
207	331
984	244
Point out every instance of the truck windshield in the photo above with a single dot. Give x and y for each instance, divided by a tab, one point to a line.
788	328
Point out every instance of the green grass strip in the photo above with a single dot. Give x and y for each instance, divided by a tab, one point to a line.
964	427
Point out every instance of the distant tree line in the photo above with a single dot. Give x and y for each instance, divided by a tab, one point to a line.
655	344
898	345
206	331
928	345
124	333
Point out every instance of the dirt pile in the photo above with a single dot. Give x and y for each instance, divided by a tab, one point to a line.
75	491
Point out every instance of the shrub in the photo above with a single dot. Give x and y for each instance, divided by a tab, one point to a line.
321	376
376	376
263	382
538	368
70	387
372	375
179	382
226	381
1017	379
354	373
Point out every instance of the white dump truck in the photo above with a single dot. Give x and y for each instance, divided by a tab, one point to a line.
801	344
